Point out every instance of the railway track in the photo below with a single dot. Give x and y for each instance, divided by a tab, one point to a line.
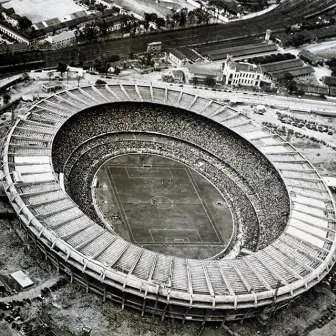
288	13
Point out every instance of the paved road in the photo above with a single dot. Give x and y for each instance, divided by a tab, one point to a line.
266	99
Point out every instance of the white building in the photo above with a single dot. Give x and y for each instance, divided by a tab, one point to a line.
244	74
154	47
62	40
182	56
200	73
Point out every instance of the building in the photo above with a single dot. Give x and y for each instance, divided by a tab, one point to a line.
51	86
178	76
14	33
245	74
154	47
7	12
13	19
22	279
299	72
61	40
182	56
310	58
200	73
330	80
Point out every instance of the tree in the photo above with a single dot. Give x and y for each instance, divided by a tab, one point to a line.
288	77
90	32
114	58
160	22
24	23
50	74
210	81
194	81
6	98
116	71
291	86
297	40
62	67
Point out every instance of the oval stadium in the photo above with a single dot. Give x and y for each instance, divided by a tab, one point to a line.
169	203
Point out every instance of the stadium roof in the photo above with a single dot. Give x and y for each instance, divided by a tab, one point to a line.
297	260
331	181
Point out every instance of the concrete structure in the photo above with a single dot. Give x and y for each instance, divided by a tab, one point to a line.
244	74
49	87
154	47
154	283
178	76
200	73
14	34
182	56
61	40
22	279
310	58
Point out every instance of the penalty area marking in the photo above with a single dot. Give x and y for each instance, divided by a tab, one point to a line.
175	235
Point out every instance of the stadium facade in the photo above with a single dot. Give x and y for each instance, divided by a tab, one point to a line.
170	287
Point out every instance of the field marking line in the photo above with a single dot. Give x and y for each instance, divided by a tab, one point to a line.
194	184
150	169
118	201
178	230
144	177
174	229
151	235
199	235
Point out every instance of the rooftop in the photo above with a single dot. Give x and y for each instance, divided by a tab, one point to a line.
203	71
330	80
184	53
61	37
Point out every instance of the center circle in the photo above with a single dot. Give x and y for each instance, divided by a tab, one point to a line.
162	202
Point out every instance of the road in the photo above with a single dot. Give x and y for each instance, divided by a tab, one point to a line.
33	292
284	102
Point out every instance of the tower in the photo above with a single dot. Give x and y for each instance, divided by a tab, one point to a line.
268	34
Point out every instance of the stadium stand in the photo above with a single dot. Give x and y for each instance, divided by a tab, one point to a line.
201	290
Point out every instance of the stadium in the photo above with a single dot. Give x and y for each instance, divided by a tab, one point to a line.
277	239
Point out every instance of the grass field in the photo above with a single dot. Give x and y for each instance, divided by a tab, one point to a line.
163	205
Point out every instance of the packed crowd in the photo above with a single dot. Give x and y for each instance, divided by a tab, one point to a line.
258	181
100	150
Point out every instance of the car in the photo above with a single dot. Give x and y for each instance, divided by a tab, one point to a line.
330	133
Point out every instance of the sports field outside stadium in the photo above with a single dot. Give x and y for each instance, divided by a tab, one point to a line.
163	205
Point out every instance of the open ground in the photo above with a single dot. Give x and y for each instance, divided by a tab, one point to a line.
41	10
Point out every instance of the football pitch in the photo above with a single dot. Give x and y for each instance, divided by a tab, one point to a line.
163	205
